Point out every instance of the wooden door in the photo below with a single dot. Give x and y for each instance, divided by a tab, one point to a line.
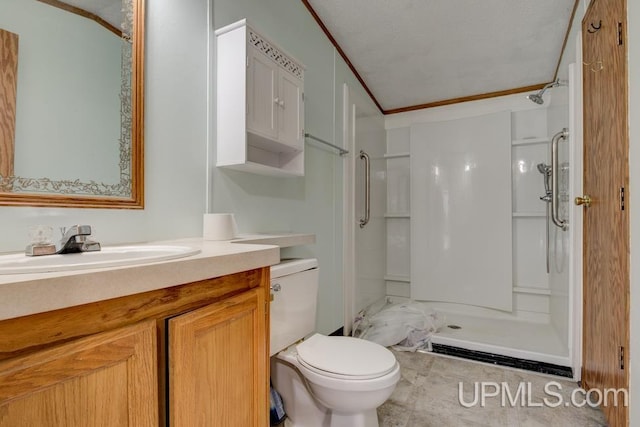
107	379
606	222
218	364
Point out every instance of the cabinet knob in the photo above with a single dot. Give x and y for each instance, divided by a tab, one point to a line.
277	101
281	103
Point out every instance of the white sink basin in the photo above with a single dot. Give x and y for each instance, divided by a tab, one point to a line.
109	256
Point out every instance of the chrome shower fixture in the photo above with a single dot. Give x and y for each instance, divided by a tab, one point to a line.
545	170
537	97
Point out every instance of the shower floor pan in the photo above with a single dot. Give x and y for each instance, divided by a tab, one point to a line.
526	341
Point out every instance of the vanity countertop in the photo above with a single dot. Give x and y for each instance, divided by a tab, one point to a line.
25	294
283	240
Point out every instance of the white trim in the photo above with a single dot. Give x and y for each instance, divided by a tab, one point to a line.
348	218
575	256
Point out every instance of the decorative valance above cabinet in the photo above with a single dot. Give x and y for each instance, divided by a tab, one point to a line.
260	104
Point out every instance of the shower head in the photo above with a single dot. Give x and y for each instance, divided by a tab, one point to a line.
544	169
537	97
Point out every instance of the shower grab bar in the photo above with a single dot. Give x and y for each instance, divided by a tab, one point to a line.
555	217
367	188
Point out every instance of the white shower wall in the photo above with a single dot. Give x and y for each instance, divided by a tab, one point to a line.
398	212
370	254
559	280
461	205
538	298
369	241
531	293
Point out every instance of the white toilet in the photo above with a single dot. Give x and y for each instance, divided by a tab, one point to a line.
324	381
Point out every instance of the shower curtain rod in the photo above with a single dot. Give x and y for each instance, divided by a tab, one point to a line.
322	141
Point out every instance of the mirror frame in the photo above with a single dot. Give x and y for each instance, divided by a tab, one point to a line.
136	201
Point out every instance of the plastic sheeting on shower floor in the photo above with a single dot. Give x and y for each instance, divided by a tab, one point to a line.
407	326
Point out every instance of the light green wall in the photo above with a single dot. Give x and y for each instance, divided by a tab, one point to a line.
313	203
175	140
179	136
69	83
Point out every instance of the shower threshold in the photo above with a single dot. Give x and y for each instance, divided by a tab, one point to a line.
515	343
501	360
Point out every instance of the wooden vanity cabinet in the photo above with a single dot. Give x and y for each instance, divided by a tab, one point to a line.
105	379
219	351
189	355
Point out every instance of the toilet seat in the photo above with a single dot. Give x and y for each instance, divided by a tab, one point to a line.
345	358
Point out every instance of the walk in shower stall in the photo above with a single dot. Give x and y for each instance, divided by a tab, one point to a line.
478	225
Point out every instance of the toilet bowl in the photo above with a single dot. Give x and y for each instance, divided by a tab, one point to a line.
324	381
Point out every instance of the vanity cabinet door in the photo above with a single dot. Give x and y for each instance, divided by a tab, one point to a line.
107	379
218	364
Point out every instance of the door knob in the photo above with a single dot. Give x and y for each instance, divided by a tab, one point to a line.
584	200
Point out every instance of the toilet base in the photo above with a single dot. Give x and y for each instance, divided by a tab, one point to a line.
368	419
363	419
302	409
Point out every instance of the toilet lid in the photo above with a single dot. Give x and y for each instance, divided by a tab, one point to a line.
346	356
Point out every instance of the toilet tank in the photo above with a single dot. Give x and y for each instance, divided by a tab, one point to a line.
293	308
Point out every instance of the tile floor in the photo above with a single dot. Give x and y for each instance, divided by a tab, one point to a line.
427	395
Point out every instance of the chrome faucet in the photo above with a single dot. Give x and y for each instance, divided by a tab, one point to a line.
74	239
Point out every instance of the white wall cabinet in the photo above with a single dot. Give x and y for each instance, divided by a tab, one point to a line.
260	104
275	105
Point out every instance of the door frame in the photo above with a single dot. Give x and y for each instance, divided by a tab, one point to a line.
604	373
349	217
576	219
363	129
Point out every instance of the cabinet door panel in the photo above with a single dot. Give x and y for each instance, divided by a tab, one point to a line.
218	373
108	379
291	112
261	95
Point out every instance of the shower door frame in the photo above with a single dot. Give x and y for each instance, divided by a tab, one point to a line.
353	103
349	217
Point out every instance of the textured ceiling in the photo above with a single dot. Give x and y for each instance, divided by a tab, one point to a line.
413	52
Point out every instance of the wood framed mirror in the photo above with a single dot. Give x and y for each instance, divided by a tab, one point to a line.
72	103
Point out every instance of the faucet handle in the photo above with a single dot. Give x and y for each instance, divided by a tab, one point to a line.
84	230
75	230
